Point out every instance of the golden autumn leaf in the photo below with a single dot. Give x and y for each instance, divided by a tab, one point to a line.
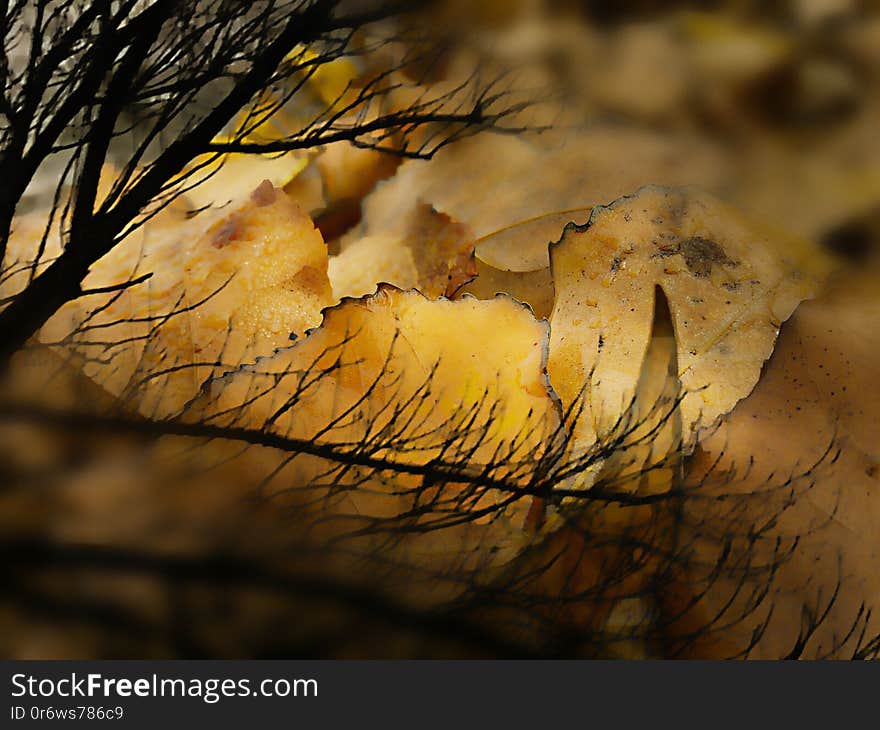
492	182
515	260
230	178
221	291
428	252
535	187
798	460
729	286
524	245
407	426
534	288
221	179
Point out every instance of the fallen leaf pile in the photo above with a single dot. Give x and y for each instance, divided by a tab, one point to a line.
543	361
454	417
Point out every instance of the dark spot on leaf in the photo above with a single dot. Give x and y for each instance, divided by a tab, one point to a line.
700	254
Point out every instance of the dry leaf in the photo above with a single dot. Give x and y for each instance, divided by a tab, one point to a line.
428	252
456	389
495	186
216	298
515	260
799	460
729	287
491	182
534	288
230	178
524	245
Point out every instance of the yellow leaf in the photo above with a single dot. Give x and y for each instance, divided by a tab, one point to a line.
429	252
382	378
729	286
221	293
799	463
